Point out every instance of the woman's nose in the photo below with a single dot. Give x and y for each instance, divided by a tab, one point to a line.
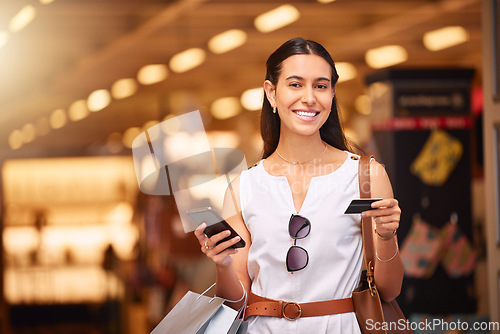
308	97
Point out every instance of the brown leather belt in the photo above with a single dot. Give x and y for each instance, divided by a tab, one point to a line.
292	311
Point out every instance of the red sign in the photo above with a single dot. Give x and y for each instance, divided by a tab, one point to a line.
422	123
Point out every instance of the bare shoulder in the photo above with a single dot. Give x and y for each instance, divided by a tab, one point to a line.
377	170
381	185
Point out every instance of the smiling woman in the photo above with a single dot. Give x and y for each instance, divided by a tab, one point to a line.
303	97
322	87
292	209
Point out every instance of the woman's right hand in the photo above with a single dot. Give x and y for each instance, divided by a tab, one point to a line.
220	254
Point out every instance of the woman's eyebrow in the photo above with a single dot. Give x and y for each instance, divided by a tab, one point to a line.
298	77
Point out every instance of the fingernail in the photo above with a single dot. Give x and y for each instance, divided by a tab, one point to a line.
203	225
363	214
227	233
237	238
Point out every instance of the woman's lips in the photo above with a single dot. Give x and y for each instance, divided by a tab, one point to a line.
306	115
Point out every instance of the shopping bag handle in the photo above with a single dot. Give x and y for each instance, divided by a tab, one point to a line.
231	301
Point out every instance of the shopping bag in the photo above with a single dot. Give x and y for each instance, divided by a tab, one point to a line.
199	314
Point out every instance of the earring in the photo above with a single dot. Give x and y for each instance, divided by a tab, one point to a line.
274	110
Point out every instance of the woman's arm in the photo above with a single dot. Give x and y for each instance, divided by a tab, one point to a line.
389	270
231	263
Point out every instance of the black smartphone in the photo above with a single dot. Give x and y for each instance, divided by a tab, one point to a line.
215	224
360	205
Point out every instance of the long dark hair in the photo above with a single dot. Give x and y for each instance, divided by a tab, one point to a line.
331	132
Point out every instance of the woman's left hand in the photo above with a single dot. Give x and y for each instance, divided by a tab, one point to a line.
386	215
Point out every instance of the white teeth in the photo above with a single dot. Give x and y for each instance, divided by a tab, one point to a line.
306	114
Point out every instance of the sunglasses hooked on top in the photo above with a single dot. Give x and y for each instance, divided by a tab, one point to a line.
297	257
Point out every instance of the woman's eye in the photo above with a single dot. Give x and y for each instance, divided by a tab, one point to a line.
322	86
294	84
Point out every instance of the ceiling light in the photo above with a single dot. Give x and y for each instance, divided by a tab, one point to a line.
346	71
46	2
78	110
225	107
443	38
276	18
227	41
386	56
187	60
251	99
379	90
15	140
58	119
124	88
151	74
229	139
325	1
4	38
28	132
129	136
98	100
363	104
22	18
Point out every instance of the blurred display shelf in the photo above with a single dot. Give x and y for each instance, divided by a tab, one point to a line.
67	224
61	285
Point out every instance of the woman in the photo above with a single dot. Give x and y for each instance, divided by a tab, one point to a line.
301	247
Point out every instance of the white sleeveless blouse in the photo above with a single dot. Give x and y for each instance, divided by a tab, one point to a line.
334	246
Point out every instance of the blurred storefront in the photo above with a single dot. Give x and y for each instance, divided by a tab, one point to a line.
68	234
86	252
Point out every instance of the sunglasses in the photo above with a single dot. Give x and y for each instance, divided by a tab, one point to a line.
297	258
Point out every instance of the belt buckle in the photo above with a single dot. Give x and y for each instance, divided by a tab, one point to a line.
291	303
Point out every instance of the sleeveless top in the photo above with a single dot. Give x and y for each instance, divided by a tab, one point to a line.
334	245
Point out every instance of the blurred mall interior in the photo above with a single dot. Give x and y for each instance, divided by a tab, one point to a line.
84	250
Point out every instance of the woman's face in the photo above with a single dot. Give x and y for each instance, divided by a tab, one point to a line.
303	94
